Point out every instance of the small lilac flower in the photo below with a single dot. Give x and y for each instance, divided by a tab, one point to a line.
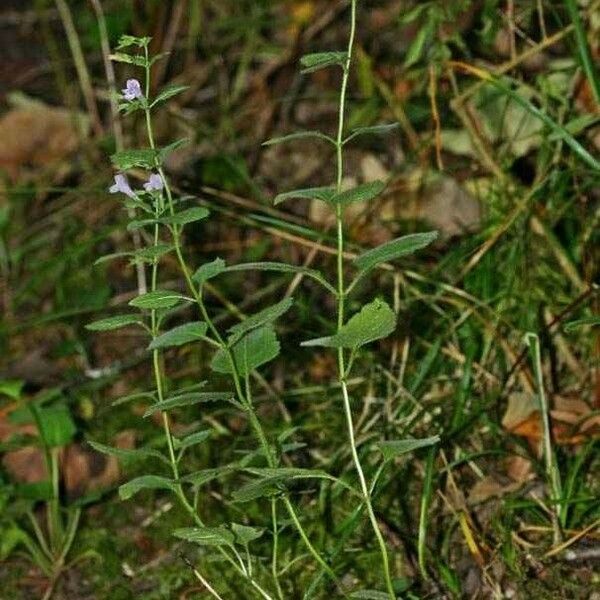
154	183
122	185
133	91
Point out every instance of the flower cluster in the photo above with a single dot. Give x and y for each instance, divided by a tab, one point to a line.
121	185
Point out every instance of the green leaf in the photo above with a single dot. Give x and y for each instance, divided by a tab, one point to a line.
375	321
381	129
417	48
299	135
57	428
271	481
191	440
190	215
158	299
151	253
208	271
169	92
190	332
244	534
361	193
11	388
325	194
321	60
126	41
206	536
112	323
393	448
593	321
397	248
283	268
140	223
128	159
131	59
268	315
163	153
257	348
145	482
128	453
188	400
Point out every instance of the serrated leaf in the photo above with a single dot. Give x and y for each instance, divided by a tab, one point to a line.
151	253
128	453
207	475
299	135
361	193
126	41
140	223
257	348
158	299
208	271
163	153
397	248
145	482
321	60
206	536
271	481
325	194
375	321
111	323
393	448
191	440
169	92
128	159
283	268
190	215
189	399
131	59
244	534
190	332
268	315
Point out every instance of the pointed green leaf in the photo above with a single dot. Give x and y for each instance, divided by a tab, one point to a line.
145	482
299	135
257	348
361	193
397	248
206	536
158	299
393	448
321	60
375	321
130	59
128	453
191	440
128	159
163	153
244	534
169	92
188	400
112	323
190	215
140	223
190	332
283	268
381	129
151	253
208	271
325	194
268	315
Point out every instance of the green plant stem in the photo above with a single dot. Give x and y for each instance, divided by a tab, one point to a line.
270	455
275	551
179	492
342	374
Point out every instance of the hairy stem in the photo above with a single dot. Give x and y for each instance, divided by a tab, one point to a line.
342	373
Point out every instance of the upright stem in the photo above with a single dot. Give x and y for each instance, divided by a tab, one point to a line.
341	310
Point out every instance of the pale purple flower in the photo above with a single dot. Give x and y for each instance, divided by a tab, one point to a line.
133	91
122	185
154	183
